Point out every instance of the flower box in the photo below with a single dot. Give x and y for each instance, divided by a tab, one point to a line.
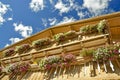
9	52
70	34
38	44
96	28
65	36
54	61
59	37
23	48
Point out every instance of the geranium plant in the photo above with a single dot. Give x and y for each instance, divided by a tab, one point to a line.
59	37
54	61
23	48
51	61
24	66
68	58
13	68
102	54
9	52
38	44
18	67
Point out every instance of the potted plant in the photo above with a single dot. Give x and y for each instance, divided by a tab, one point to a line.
9	52
87	53
23	48
12	68
38	44
84	29
101	26
24	66
67	59
70	34
59	37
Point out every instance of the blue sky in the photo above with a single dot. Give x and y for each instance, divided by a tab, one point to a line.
20	19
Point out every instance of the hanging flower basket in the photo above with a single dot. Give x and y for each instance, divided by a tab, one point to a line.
23	48
9	52
38	44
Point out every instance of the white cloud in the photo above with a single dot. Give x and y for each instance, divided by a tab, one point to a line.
51	1
4	8
96	7
14	40
64	7
6	45
44	22
81	14
52	21
66	20
25	31
10	18
1	20
37	5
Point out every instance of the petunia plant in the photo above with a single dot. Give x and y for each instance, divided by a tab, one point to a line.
54	61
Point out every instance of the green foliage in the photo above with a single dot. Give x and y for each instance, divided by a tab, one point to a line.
86	53
22	48
38	44
70	34
59	37
101	26
8	52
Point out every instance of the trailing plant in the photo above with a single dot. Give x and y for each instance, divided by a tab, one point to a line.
24	66
68	58
38	44
59	37
101	54
51	61
22	48
54	61
8	52
12	68
18	67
